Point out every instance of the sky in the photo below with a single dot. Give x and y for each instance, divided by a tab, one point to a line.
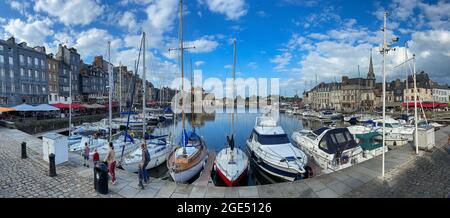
294	40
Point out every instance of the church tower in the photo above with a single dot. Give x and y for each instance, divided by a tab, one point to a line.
371	74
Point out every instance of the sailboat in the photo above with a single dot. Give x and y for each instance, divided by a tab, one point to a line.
231	163
187	160
157	146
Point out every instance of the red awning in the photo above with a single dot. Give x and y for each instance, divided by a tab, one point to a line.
67	106
424	104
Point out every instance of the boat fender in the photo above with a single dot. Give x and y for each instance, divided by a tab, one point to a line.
308	172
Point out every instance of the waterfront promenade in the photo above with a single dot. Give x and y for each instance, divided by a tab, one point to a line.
407	175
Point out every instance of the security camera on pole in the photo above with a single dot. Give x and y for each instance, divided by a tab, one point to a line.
384	49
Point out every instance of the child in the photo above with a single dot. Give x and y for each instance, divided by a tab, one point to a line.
86	152
95	157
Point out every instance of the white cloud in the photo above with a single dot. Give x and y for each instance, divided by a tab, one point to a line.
34	32
252	65
281	61
232	9
70	12
199	63
94	42
20	6
128	20
228	66
203	45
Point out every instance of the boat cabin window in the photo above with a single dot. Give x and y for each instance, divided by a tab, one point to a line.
272	139
337	140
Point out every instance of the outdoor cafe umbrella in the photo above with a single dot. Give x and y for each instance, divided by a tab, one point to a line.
6	109
46	107
24	108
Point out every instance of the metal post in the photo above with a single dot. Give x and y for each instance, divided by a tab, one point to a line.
110	90
384	92
416	140
144	84
51	164
24	150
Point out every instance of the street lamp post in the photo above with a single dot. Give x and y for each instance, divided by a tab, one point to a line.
384	49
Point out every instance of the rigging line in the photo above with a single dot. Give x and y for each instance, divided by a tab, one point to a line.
132	99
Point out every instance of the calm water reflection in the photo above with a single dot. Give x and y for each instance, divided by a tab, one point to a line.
215	127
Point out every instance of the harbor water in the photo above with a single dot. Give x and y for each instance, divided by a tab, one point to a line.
214	128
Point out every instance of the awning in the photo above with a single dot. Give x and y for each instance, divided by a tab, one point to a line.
98	106
114	104
67	106
6	109
46	107
24	107
92	106
424	104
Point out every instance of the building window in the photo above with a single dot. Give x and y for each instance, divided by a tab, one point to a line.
22	72
11	74
2	72
2	59
43	75
36	74
30	61
36	62
29	73
1	47
42	64
21	59
13	87
11	61
23	88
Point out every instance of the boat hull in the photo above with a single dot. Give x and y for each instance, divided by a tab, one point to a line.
186	175
228	181
276	171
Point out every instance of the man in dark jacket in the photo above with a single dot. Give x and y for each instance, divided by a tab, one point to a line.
143	175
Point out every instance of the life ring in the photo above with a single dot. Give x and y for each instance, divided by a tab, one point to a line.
132	134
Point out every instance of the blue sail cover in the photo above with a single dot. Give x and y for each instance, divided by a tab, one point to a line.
150	136
186	136
168	110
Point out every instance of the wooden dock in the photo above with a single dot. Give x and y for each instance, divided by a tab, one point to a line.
203	180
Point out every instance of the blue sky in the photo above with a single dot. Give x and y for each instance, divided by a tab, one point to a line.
294	40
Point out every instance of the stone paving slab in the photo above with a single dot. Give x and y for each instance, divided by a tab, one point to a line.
167	190
215	192
198	192
231	192
248	192
339	187
326	193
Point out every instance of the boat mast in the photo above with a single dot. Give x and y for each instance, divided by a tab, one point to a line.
234	77
406	75
110	91
416	141
70	106
144	84
120	87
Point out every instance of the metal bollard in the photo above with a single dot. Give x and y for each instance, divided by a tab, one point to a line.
24	150
51	160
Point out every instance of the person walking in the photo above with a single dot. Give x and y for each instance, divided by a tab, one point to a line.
86	152
95	157
143	165
111	160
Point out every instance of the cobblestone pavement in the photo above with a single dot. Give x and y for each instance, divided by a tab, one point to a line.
425	176
29	179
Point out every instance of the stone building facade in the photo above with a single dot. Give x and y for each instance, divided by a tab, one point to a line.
23	74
